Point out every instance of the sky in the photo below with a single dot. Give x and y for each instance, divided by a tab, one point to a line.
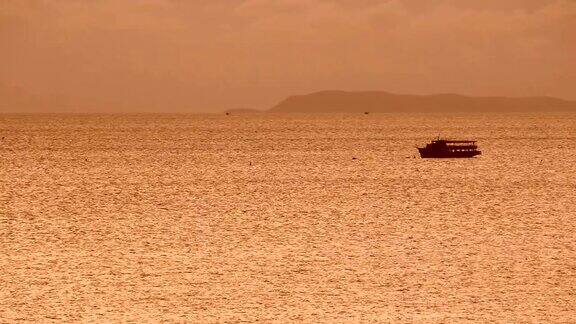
211	55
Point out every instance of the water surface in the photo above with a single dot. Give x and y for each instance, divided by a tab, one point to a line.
327	218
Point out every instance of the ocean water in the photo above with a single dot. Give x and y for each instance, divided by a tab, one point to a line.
315	218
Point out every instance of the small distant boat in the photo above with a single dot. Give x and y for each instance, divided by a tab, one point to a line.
442	148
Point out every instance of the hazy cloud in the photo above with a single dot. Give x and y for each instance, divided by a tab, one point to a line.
205	55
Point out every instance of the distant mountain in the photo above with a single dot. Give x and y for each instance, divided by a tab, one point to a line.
379	101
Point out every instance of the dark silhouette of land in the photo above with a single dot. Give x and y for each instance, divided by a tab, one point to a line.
380	101
238	111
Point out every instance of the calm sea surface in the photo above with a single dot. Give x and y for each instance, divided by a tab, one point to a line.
316	218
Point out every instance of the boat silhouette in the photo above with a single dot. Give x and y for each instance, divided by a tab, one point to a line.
443	148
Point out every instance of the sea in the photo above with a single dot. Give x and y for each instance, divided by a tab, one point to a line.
333	218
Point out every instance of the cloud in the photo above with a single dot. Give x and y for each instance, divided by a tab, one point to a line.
225	53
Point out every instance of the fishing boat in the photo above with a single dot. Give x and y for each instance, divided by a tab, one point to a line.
442	148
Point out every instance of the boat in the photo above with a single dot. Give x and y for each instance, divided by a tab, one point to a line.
443	148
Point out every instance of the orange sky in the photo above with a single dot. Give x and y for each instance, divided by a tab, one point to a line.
209	55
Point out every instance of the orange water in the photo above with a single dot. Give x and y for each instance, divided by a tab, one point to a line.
269	217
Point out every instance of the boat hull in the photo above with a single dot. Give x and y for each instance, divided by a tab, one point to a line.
427	154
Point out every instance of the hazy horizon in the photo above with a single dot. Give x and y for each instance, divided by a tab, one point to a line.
209	56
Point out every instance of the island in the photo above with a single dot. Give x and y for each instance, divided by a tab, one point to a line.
238	111
386	102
